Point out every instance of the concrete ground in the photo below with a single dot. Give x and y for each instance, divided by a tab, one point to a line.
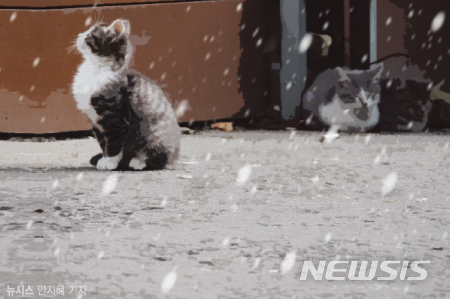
234	218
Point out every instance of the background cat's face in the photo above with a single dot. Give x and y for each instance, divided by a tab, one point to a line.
110	42
359	92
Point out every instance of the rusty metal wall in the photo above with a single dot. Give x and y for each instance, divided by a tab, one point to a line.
205	52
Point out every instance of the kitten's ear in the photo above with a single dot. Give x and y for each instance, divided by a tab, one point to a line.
342	77
123	26
377	72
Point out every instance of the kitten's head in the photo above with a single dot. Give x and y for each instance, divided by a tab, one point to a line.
109	43
359	91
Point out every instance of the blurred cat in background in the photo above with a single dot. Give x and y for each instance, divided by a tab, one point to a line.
346	98
132	118
395	94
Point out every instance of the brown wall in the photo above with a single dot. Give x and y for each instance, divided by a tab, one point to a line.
173	38
409	31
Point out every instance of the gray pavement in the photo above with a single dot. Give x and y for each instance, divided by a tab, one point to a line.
234	218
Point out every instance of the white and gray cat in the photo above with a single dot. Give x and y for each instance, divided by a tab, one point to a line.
133	120
393	94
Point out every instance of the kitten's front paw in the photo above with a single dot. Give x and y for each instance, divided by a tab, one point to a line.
108	163
137	164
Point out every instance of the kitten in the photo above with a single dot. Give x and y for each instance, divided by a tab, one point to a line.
133	121
346	98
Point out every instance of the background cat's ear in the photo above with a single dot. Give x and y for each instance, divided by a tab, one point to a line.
342	77
123	26
377	72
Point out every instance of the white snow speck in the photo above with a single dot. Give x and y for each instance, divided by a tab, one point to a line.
226	71
56	252
36	61
292	135
182	108
255	32
364	58
208	157
259	42
164	202
233	208
438	21
55	184
327	237
257	261
239	7
315	179
331	135
188	8
88	21
226	241
389	183
80	176
276	108
169	281
13	17
288	85
325	26
208	55
244	174
110	184
100	254
305	43
29	224
288	262
367	139
253	191
388	21
424	199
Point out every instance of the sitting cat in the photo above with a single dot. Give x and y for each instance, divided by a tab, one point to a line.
133	121
345	98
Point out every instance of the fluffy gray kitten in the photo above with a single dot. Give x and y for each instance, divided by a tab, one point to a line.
133	121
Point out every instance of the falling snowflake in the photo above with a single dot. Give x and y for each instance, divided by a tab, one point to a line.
331	135
13	17
208	157
325	26
239	7
55	184
388	21
389	183
100	255
226	241
36	61
305	43
56	252
256	263
364	58
244	174
169	281
110	184
88	21
182	108
438	21
259	42
288	262
327	237
80	176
